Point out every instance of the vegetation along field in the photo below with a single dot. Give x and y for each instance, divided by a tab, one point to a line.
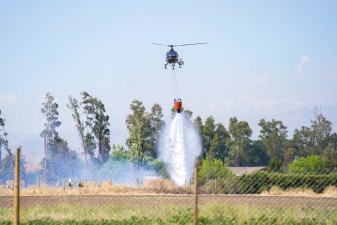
171	209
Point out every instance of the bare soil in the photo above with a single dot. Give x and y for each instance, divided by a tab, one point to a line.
174	200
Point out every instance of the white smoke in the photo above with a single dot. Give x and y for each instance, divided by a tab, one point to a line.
178	147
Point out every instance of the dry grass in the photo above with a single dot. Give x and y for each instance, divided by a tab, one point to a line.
330	191
161	186
304	192
164	186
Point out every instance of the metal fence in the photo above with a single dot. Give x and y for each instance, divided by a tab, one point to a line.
224	196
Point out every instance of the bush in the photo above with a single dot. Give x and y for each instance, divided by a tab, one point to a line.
211	170
309	165
258	182
229	185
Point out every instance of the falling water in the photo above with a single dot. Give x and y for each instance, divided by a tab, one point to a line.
179	146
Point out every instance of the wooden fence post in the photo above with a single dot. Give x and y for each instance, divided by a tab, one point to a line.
17	188
195	219
64	185
137	183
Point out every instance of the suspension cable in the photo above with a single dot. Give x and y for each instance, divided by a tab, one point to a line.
176	91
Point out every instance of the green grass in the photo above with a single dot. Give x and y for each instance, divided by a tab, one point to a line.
208	214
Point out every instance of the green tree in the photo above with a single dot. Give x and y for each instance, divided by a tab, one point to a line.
7	170
218	147
311	165
98	122
213	169
49	133
2	139
273	135
135	124
257	154
303	142
315	139
321	130
330	153
289	154
208	135
59	160
154	123
62	162
119	153
144	128
275	165
333	141
75	107
239	142
198	123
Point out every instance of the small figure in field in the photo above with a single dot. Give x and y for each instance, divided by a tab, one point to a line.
70	183
80	184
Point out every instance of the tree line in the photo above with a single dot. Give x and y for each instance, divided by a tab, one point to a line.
233	146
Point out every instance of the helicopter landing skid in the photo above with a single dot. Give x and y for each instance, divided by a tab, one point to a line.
165	66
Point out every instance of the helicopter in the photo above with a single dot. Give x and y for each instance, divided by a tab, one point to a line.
172	56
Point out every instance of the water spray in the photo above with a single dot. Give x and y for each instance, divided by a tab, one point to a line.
179	146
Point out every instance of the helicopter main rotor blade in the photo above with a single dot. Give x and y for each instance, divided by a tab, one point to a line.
193	44
161	44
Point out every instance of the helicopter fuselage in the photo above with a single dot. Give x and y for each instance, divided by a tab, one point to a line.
172	58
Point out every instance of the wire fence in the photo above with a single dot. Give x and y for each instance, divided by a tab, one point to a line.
226	195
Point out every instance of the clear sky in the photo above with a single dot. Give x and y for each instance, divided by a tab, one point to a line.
264	59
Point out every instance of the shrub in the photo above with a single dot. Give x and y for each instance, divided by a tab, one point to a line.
258	182
211	170
309	165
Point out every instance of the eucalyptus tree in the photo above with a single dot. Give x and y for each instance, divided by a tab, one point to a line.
98	123
2	140
198	123
74	106
330	153
257	154
314	140
274	136
303	142
144	129
59	161
208	134
135	123
321	129
218	145
239	142
7	162
155	126
49	133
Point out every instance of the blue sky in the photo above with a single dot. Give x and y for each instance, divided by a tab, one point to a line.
265	59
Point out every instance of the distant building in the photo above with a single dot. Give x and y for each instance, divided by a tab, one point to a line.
239	171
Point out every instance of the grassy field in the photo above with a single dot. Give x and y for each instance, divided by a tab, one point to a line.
163	203
170	209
